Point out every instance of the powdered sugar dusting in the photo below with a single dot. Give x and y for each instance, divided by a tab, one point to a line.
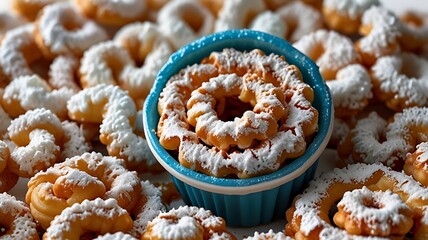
352	8
115	236
386	214
151	208
95	68
62	73
124	8
12	59
145	43
172	21
352	87
307	205
270	235
262	158
32	119
22	220
58	39
104	209
300	19
185	222
253	124
337	50
366	141
74	140
32	92
39	154
233	14
119	110
269	22
390	74
423	157
107	175
384	31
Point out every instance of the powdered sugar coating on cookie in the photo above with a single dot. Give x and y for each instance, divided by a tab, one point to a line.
352	8
382	38
55	36
151	208
74	141
174	21
234	14
104	210
299	19
31	92
330	50
117	111
307	205
13	61
352	87
269	22
185	222
22	224
381	212
401	80
124	8
270	235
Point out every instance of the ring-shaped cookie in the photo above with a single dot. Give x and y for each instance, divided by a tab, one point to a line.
259	124
149	49
345	15
351	90
88	176
414	27
330	50
269	22
187	223
96	217
18	50
374	140
399	80
116	111
16	220
300	19
38	137
308	218
112	64
237	14
375	213
380	30
30	92
62	30
185	21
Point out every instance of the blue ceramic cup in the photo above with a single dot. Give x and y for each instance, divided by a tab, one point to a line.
257	200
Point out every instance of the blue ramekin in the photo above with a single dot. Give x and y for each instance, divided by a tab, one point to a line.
253	201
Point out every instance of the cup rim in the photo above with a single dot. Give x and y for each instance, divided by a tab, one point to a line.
193	53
